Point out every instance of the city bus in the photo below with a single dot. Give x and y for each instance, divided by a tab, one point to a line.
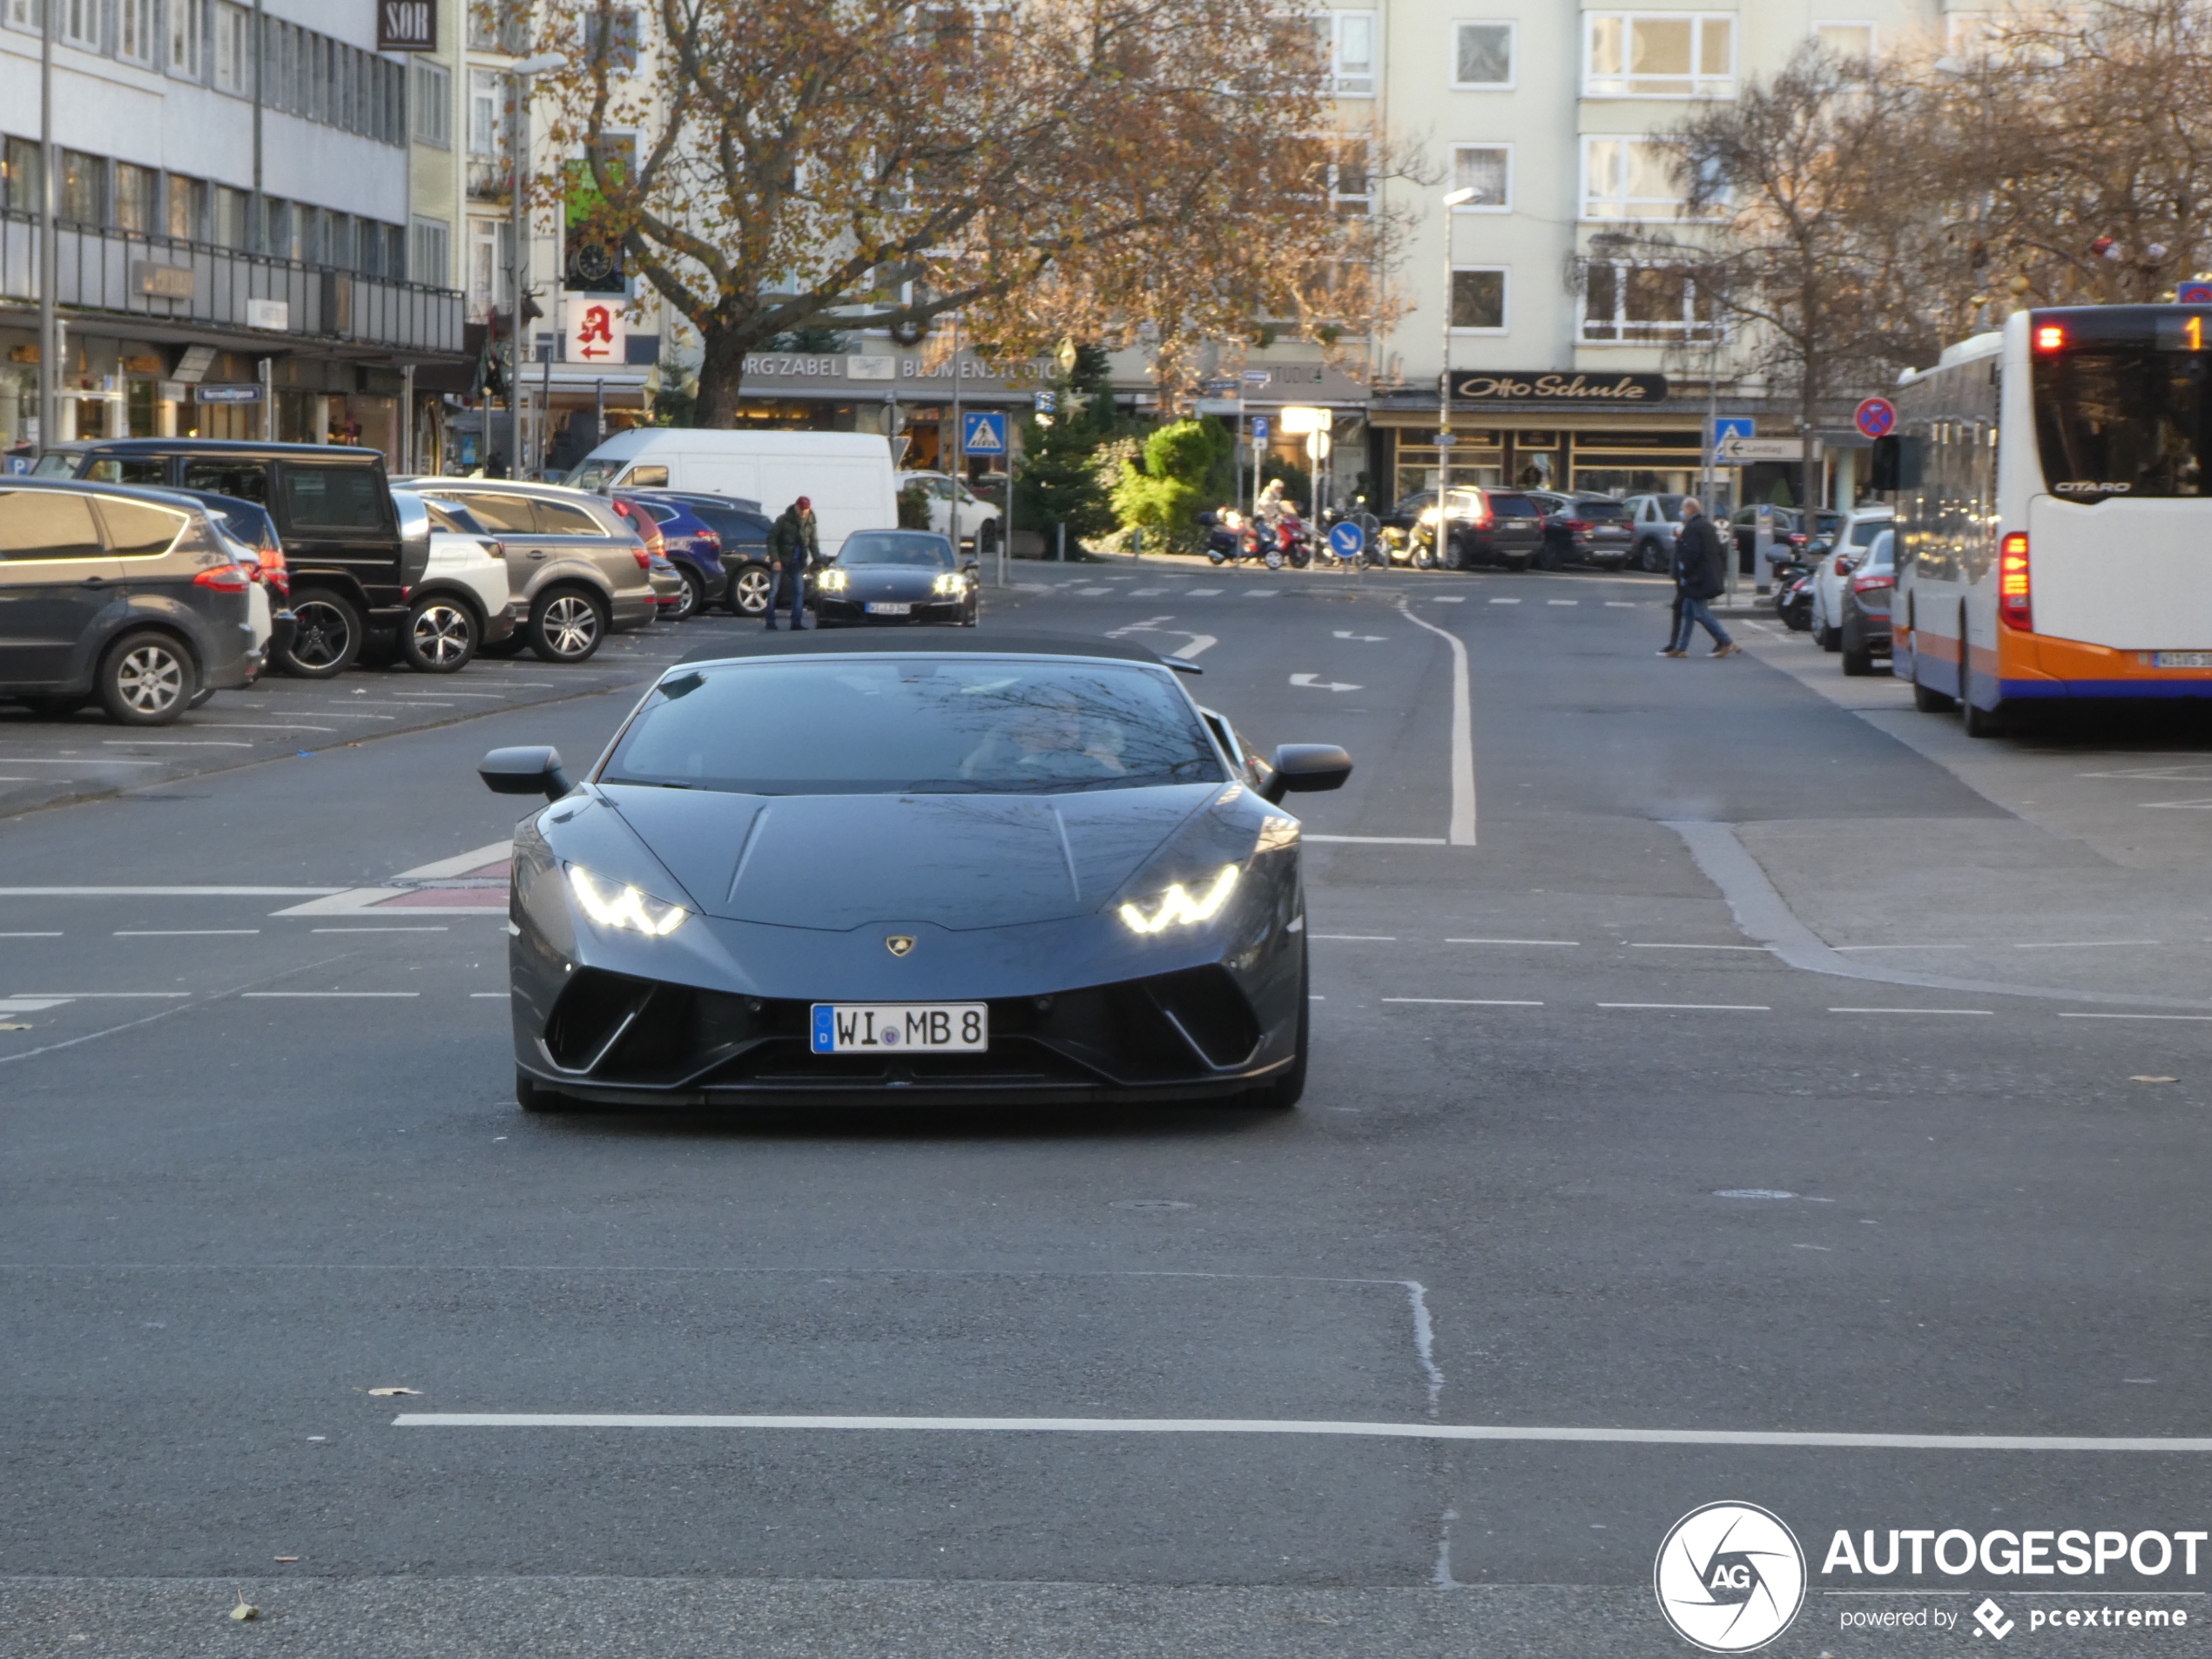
2055	514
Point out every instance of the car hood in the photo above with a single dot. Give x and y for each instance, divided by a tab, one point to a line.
889	582
961	862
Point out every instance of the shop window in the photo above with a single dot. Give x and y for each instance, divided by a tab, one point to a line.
1648	55
1482	55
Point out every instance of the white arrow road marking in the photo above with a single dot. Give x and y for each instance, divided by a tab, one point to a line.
1312	684
1365	639
1145	627
1198	643
1462	831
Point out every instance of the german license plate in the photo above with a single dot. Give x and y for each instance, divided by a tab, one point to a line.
2184	659
893	1027
884	608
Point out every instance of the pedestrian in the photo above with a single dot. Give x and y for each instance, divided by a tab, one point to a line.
1701	572
794	548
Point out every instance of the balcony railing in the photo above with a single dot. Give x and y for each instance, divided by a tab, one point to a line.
166	278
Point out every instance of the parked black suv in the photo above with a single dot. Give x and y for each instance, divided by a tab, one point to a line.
1483	525
128	595
332	508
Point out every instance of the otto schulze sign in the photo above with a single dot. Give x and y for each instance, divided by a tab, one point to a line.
1496	385
407	25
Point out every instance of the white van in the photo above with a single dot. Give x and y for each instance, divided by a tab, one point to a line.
847	475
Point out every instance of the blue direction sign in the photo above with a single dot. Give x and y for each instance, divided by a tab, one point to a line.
1347	540
982	432
1732	426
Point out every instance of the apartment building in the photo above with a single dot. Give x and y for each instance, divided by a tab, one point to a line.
220	210
1569	369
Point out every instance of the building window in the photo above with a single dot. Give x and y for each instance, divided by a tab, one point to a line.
134	31
80	23
1486	169
1641	55
433	105
622	39
233	49
81	185
19	175
1482	57
499	29
1630	179
230	208
1348	44
187	29
134	192
1625	304
486	102
1352	181
1478	301
188	207
429	251
20	14
1847	41
489	240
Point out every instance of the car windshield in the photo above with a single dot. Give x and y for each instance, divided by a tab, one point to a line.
1884	545
921	724
912	548
1606	511
592	474
1863	530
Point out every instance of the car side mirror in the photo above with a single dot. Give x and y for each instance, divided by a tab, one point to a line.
1306	768
531	771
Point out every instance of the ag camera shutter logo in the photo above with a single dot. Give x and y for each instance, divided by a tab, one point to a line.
1730	1577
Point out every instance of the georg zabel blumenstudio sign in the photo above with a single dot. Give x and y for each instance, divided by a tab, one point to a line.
1561	387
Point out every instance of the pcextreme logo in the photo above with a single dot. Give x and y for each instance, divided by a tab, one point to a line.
1730	1577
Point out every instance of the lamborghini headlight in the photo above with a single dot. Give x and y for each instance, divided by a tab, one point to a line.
832	580
1179	907
624	909
951	583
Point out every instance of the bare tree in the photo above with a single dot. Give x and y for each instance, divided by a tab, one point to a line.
1044	168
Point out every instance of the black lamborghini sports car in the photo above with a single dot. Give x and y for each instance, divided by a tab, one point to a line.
924	869
895	577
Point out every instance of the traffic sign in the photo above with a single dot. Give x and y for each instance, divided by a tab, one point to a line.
1045	402
2194	294
982	432
1727	426
1259	428
1875	418
1733	450
1347	540
1256	377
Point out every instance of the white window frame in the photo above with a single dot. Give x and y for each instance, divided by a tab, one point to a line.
1702	86
1689	331
1512	55
187	38
1365	83
1504	274
78	24
489	145
1873	30
430	253
1341	199
430	98
20	14
137	26
233	65
1677	205
1505	207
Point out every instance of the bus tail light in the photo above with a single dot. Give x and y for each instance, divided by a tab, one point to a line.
2050	337
2015	597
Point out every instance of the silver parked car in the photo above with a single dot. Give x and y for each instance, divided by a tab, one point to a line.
1654	521
576	569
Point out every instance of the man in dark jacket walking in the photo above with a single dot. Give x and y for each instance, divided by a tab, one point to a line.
1701	571
792	550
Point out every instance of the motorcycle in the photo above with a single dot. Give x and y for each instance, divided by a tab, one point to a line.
1224	535
1793	596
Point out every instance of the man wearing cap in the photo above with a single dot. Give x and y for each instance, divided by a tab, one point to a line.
793	549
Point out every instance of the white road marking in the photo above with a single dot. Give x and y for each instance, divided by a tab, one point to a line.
1311	683
258	725
1146	593
1620	604
1504	602
461	863
1912	1010
1662	947
2082	944
481	697
1382	840
1462	831
51	935
106	996
376	930
1198	643
503	996
1466	1001
2154	1443
350	994
1364	639
1204	593
1899	948
1092	593
161	893
1513	942
1697	1008
181	933
2135	1016
81	760
1261	593
1458	600
1562	602
172	743
1368	939
31	1004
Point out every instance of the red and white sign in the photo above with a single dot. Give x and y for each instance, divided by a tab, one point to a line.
597	330
1876	418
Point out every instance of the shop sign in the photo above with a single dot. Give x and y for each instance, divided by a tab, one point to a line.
1491	386
161	280
407	25
242	393
597	330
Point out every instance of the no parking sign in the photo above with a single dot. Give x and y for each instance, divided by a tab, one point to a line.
1875	418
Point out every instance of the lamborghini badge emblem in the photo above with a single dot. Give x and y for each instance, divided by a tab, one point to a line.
898	944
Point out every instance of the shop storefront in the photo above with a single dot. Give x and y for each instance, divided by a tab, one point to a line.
907	394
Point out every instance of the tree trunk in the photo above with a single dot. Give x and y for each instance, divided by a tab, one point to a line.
721	376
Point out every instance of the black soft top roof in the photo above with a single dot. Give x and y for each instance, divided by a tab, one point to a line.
339	454
914	642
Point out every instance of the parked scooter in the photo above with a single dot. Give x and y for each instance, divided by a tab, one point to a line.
1793	594
1224	535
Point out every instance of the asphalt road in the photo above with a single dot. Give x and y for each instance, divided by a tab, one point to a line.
1758	1068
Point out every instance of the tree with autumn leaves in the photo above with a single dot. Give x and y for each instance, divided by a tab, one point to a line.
1116	171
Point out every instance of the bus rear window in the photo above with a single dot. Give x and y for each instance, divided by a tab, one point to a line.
2114	419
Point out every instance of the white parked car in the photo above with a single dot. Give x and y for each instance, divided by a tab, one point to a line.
1834	567
458	599
978	519
847	476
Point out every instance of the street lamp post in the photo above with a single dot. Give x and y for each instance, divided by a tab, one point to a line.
1457	198
518	256
49	351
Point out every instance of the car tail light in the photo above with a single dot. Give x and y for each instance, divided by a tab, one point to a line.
2015	595
2050	337
644	559
223	579
1873	582
710	541
1483	517
1576	526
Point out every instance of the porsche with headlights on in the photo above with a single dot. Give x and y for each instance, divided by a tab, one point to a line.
897	576
932	868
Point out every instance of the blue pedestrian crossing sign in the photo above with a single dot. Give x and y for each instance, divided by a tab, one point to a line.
1733	426
1347	540
983	432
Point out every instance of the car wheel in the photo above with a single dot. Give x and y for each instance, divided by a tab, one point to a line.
326	636
567	625
1858	664
751	590
440	635
55	708
1828	639
147	678
534	1096
1284	1092
692	600
1647	558
1548	559
1929	701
